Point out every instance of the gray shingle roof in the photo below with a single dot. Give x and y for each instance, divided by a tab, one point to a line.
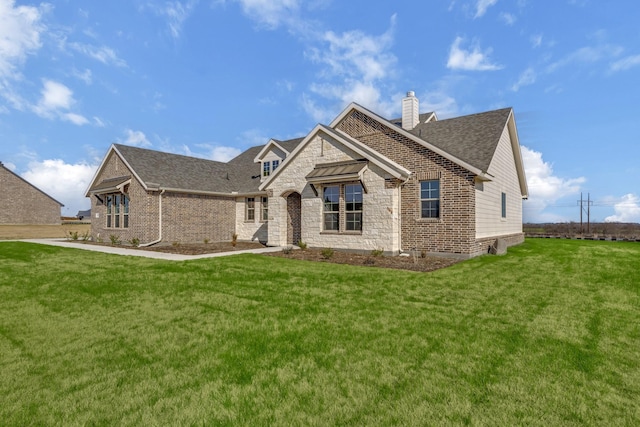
167	170
471	138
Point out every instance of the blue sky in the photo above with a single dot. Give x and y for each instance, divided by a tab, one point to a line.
212	78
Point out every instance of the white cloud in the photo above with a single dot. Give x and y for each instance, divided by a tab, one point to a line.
545	188
86	75
536	40
482	6
271	13
55	102
626	63
528	77
104	54
20	29
136	138
587	55
627	209
62	181
177	13
508	18
470	60
218	153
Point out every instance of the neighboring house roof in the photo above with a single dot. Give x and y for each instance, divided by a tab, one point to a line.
84	214
28	183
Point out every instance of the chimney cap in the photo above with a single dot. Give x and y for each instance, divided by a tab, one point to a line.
411	93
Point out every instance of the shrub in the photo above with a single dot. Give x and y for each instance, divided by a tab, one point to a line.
377	252
206	240
234	239
327	253
287	250
86	236
115	240
135	242
369	261
302	245
423	254
73	235
175	244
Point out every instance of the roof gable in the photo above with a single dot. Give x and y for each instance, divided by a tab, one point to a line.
27	182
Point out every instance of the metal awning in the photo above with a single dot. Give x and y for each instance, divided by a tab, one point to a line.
335	172
111	185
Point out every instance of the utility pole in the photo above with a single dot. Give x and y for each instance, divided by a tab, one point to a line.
581	203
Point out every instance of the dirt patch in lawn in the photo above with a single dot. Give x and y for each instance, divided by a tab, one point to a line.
413	263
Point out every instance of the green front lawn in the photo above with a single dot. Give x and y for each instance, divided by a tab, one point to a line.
546	335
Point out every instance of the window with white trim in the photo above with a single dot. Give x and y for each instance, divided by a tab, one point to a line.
264	208
266	168
250	211
430	198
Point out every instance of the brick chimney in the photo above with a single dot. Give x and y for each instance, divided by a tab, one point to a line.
410	113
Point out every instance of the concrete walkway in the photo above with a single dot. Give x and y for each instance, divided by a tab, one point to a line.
119	250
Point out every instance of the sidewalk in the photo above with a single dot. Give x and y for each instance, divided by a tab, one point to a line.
119	250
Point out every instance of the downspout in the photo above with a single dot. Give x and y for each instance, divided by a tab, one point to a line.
159	239
400	214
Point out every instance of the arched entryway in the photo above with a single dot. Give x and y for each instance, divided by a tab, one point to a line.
294	222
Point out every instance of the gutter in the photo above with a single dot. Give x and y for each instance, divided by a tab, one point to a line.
159	239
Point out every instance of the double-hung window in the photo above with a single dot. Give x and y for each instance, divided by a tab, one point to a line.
430	199
331	198
353	206
250	212
266	169
342	207
274	165
264	208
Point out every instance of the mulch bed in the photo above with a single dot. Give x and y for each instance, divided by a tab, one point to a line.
429	263
412	263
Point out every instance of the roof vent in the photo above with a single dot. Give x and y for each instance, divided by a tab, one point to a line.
410	111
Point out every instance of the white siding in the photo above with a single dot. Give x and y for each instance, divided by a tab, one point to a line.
380	205
489	221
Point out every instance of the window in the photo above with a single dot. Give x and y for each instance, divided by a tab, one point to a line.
274	165
331	197
250	214
264	208
430	198
344	200
504	205
117	210
266	169
353	206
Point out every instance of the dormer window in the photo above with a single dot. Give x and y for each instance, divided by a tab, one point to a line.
266	168
274	165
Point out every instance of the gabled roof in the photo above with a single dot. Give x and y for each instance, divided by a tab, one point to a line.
386	164
28	183
472	138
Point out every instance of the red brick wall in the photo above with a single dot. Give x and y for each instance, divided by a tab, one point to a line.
454	231
185	217
22	203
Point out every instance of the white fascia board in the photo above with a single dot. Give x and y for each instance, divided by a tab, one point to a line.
266	149
354	106
517	154
291	155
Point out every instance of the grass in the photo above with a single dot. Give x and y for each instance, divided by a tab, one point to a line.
546	335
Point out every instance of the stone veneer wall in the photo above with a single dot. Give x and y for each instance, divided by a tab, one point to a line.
454	231
380	204
255	230
22	203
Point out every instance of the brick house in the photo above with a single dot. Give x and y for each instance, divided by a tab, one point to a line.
23	203
361	183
